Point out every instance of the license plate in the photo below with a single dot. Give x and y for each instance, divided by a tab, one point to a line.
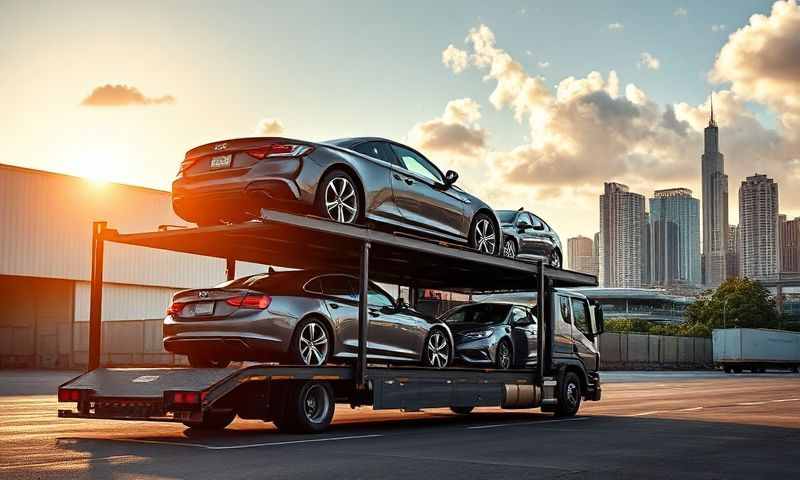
222	161
204	308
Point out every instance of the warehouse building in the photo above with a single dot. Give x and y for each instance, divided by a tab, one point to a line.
45	252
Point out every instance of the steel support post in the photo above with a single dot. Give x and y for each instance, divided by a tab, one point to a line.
544	318
363	317
230	268
96	296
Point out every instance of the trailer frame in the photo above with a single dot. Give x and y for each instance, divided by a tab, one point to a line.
149	394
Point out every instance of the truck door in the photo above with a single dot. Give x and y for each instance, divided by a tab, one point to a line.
581	334
562	328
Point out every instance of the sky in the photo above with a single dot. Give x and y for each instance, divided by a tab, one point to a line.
535	104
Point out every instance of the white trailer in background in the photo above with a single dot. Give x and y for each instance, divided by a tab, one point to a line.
756	349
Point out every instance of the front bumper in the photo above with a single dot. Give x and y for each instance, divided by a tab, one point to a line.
475	352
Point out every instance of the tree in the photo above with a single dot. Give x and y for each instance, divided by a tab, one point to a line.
738	302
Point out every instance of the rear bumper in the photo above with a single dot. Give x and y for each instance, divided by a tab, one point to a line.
229	347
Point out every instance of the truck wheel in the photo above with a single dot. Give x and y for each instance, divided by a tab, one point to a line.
569	396
213	421
309	408
727	369
461	410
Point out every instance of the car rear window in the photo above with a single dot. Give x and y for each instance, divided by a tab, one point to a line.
481	313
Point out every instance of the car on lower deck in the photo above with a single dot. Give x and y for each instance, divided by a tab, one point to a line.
527	236
362	180
500	334
299	317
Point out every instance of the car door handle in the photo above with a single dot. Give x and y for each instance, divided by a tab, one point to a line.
409	181
334	305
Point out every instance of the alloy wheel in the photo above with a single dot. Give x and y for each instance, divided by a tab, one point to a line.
438	350
510	249
504	356
555	259
485	238
313	344
572	394
341	201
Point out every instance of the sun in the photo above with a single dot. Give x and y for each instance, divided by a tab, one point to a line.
100	164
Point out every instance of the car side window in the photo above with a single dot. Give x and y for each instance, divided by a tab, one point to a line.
370	149
563	309
378	298
415	163
580	312
536	221
339	286
525	217
519	315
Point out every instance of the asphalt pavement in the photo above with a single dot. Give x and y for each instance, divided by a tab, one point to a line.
648	425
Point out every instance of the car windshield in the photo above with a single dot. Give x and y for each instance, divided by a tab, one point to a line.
480	313
506	216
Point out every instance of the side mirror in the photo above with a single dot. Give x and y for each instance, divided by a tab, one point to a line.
450	177
401	303
599	322
523	225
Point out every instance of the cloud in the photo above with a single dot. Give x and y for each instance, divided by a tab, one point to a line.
456	133
616	27
270	126
762	62
122	96
718	28
454	58
543	64
680	12
647	60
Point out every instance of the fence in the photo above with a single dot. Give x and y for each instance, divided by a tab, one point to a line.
634	351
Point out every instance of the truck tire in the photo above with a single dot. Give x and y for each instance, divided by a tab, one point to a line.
461	410
213	421
569	395
309	408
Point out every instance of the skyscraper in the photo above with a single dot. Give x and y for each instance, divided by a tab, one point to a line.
790	246
621	222
758	227
715	206
675	237
581	256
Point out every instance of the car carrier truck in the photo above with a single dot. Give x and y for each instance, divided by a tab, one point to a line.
302	398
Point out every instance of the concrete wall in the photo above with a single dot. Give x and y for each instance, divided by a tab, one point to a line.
636	351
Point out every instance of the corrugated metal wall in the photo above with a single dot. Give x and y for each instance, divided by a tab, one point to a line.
46	230
124	302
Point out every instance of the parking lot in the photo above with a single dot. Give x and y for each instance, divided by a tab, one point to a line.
649	425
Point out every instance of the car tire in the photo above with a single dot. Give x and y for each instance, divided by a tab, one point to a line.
312	344
438	350
461	410
504	355
484	235
339	198
213	421
569	395
201	361
308	408
509	248
555	260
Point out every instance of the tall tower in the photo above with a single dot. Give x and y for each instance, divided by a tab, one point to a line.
675	219
715	206
621	224
758	227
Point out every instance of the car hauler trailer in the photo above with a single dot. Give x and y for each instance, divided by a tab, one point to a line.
301	398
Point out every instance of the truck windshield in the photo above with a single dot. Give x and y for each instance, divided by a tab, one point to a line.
480	313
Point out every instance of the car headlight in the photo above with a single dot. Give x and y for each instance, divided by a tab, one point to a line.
479	334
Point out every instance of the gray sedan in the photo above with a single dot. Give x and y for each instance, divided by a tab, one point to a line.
497	333
299	317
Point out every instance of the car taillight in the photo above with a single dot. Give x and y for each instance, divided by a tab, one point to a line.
250	301
69	395
280	150
184	399
175	308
